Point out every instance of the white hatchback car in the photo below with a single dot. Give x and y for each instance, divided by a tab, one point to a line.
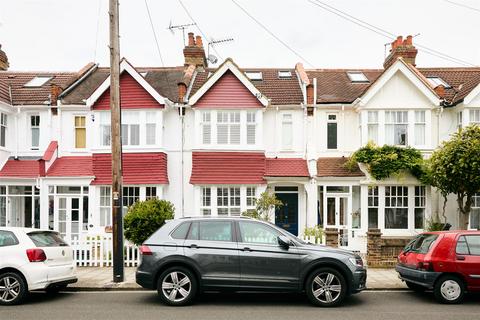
33	259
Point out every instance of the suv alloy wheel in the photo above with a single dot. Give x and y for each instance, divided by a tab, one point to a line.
449	289
177	286
326	287
13	288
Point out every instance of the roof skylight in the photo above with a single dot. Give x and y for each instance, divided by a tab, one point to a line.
38	81
254	75
284	74
436	81
357	76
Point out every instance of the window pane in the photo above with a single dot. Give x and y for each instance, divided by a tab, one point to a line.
35	137
216	231
80	138
124	134
181	231
151	128
206	133
419	218
235	134
222	134
419	134
134	134
287	135
7	238
462	247
258	233
473	244
331	135
396	218
373	218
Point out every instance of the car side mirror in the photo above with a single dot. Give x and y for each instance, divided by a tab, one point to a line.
284	242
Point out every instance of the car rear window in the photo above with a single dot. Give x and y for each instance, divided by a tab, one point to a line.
7	238
422	243
181	231
47	239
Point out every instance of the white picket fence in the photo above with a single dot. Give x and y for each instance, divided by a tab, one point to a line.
97	251
314	240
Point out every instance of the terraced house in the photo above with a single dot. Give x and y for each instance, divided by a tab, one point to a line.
211	139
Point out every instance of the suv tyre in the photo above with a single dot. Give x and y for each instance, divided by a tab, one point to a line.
449	289
326	287
177	286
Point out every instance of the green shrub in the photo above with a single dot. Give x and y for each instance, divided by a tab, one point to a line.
145	217
316	232
264	205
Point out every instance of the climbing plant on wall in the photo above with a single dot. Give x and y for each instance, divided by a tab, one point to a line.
387	161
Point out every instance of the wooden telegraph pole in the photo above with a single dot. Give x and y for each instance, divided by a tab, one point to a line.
117	218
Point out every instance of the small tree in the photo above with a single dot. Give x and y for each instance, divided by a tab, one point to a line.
264	205
145	217
455	168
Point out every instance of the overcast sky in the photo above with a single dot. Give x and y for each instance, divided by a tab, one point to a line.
62	34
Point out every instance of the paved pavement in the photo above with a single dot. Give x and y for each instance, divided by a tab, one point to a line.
119	305
101	279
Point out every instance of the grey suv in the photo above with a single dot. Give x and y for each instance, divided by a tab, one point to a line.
192	255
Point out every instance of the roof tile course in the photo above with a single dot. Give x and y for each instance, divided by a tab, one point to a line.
335	167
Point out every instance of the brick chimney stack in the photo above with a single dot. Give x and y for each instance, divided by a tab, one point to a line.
194	52
401	48
3	60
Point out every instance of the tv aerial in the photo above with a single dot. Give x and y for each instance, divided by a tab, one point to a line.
210	57
182	27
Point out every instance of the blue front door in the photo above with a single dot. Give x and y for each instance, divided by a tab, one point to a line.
286	216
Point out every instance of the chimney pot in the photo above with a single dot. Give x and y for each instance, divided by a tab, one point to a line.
401	48
198	41
191	39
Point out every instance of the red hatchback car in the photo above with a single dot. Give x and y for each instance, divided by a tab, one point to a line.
447	262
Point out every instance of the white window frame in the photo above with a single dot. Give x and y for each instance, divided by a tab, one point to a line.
231	121
3	129
419	124
372	123
251	125
206	127
150	121
104	128
475	211
105	218
79	127
459	120
474	116
33	127
287	136
420	196
208	203
393	203
402	120
130	119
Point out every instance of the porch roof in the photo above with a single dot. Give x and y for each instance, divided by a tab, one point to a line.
23	168
71	166
138	168
228	168
335	167
286	167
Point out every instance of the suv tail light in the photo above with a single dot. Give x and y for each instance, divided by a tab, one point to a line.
36	255
145	251
425	266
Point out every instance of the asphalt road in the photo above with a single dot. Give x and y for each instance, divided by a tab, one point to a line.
135	305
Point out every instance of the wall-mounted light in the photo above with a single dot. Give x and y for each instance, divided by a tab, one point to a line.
93	117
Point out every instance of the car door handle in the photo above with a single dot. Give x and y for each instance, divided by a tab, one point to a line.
193	246
460	258
247	249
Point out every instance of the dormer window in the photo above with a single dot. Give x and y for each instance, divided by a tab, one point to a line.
357	77
436	81
254	75
284	74
38	81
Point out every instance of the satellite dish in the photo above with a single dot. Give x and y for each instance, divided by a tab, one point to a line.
212	59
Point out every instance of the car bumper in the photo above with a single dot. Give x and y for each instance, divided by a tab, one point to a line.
359	281
41	276
145	279
423	278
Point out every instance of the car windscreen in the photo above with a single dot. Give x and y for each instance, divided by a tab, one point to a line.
47	239
423	243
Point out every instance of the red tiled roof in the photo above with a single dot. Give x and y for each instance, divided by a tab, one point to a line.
228	168
335	167
132	96
138	168
47	156
286	167
284	91
228	92
71	166
23	169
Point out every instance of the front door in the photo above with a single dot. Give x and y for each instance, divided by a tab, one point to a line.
336	216
69	217
286	216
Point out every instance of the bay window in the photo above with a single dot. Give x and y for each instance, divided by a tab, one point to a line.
372	125
396	127
35	131
372	207
396	207
3	129
420	201
226	200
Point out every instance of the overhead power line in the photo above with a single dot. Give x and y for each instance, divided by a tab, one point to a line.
382	32
272	34
154	33
463	5
198	27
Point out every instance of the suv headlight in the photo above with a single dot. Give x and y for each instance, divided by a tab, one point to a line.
356	261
